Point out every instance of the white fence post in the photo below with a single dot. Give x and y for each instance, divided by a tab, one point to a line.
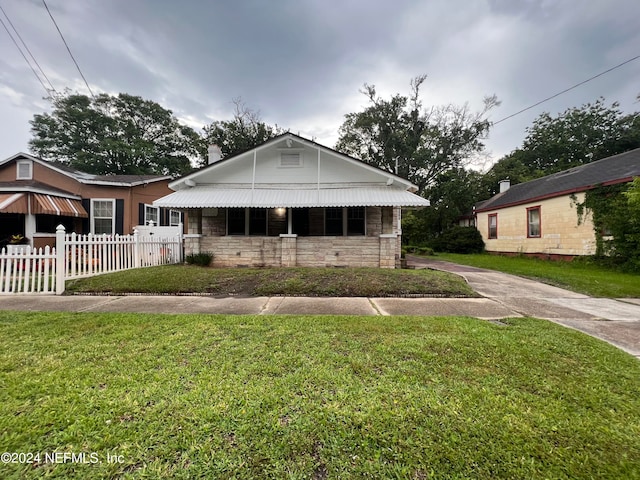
60	259
136	249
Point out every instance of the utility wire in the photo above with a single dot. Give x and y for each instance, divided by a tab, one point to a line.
25	58
52	88
68	49
566	90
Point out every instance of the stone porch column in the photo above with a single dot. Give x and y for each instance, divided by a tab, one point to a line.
388	243
289	249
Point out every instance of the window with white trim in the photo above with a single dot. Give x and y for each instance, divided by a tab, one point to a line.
493	226
24	170
151	214
533	222
103	216
175	218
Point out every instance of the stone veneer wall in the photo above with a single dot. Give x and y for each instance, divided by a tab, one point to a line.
338	251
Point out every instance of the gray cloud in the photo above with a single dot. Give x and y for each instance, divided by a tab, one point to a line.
301	64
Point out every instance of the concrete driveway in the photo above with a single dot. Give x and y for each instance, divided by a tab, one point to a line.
616	321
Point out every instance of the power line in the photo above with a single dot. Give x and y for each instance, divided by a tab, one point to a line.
68	49
567	89
25	58
28	50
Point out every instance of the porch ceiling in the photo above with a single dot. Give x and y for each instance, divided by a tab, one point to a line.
208	197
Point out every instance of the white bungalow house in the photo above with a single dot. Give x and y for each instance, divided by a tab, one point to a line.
293	202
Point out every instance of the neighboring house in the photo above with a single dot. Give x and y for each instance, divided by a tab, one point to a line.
291	201
540	217
37	195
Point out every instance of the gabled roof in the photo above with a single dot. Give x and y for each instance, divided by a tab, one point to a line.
89	178
351	182
183	181
619	168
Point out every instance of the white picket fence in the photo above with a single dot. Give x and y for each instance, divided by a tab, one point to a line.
23	270
27	271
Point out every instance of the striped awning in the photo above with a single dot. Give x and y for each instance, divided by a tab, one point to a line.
13	203
207	197
61	206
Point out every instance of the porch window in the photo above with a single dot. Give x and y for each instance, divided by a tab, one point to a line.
257	221
300	221
235	221
533	222
103	216
355	221
333	221
493	226
151	215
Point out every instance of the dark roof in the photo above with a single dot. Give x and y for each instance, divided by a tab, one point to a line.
608	171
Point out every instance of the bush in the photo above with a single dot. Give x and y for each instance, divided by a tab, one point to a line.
203	259
459	240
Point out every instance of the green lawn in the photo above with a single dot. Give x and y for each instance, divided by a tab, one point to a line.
198	396
578	276
331	282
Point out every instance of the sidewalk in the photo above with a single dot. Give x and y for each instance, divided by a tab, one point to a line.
614	321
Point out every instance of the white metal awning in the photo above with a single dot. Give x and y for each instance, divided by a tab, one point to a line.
209	197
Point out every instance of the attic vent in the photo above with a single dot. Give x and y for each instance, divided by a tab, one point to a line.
25	170
290	159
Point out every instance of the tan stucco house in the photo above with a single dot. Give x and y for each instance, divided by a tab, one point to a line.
37	195
540	217
293	202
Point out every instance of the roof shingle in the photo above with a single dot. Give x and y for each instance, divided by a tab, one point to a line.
617	169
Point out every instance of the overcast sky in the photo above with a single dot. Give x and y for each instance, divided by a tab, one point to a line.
302	63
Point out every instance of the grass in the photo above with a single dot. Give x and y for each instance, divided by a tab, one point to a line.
337	282
578	276
197	396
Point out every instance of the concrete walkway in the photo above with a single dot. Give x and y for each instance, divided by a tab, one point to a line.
614	321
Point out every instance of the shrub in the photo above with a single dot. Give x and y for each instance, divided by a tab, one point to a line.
459	240
203	259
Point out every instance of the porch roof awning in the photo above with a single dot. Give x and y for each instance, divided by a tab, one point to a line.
51	205
13	203
208	197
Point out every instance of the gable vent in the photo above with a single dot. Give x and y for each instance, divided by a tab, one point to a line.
290	159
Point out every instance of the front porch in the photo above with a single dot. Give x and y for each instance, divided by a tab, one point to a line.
309	237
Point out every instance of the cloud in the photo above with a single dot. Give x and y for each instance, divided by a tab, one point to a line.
301	64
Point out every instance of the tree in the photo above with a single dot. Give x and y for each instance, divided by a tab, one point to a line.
452	196
615	213
511	167
399	135
244	132
106	134
575	137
